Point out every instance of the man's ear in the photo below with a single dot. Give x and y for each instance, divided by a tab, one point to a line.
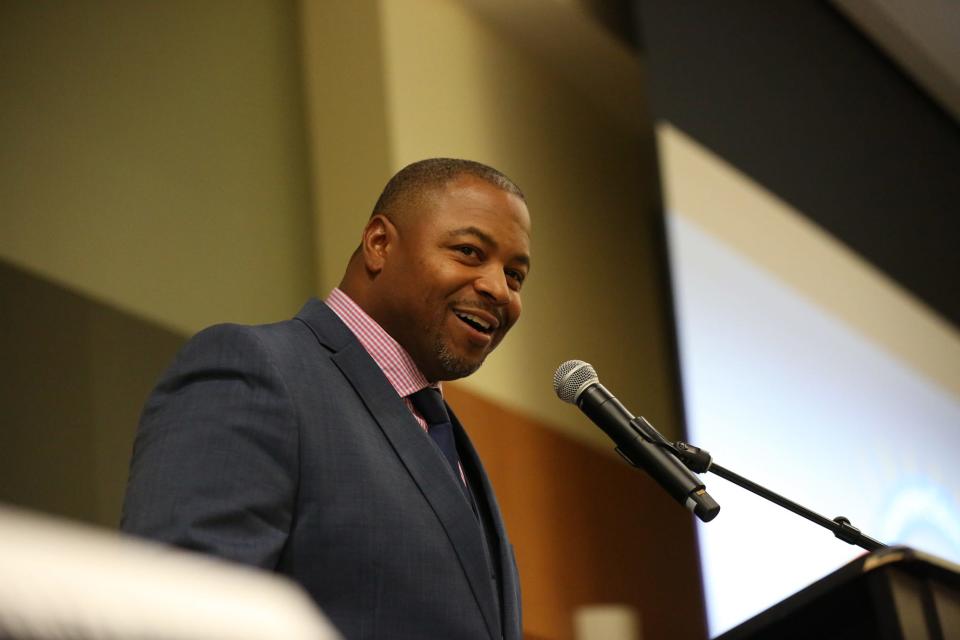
379	236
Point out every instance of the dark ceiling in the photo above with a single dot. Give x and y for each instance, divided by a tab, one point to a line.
795	96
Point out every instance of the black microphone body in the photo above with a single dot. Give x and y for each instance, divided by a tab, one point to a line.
637	441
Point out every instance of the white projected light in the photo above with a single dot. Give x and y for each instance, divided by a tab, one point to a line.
785	386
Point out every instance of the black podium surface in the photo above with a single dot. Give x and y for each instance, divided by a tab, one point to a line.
896	593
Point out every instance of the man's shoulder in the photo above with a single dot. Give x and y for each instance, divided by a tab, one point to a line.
314	318
311	333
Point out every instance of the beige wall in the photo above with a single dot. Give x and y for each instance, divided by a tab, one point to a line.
156	158
153	156
170	165
193	163
455	84
347	123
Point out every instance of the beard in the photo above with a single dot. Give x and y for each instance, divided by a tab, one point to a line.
453	366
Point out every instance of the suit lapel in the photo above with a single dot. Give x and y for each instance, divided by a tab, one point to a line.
427	468
502	552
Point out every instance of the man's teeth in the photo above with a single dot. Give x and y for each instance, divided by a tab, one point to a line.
474	320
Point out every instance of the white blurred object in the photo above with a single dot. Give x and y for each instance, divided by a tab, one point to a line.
606	622
61	579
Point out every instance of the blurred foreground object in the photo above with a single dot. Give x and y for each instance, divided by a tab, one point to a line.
607	622
67	580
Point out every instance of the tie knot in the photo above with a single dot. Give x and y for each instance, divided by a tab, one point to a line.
429	403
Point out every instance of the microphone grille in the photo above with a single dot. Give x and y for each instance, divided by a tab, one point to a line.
571	378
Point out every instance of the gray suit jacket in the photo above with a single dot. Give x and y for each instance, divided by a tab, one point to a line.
284	446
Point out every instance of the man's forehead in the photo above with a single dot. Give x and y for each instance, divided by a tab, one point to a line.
469	193
471	202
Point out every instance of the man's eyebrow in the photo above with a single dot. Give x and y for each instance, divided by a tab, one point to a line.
473	231
485	237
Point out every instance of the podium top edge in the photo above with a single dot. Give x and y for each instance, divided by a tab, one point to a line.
907	556
918	563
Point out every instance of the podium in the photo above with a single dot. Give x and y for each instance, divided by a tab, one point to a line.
895	593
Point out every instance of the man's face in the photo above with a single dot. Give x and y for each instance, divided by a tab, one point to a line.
451	280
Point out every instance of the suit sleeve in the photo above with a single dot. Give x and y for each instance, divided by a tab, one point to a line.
215	462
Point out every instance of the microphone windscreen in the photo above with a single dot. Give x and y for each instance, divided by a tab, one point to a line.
571	378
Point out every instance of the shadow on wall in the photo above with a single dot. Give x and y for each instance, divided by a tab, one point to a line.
75	376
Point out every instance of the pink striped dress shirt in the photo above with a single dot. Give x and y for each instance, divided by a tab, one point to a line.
404	376
393	360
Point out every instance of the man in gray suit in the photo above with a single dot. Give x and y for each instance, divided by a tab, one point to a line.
319	447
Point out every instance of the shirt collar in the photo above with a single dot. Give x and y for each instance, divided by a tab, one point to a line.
397	365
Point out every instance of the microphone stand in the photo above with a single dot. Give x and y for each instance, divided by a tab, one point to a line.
699	461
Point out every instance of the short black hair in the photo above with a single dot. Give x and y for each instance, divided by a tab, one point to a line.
411	182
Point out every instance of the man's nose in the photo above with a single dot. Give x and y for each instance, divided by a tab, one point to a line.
492	284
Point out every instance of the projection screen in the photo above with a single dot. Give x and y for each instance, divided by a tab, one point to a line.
807	370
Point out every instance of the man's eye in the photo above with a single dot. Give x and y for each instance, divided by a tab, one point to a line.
468	250
515	275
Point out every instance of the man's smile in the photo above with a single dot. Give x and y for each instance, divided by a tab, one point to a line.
480	320
479	326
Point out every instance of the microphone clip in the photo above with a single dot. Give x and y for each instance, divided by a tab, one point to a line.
696	459
648	433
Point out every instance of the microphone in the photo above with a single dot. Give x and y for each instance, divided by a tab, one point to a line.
637	441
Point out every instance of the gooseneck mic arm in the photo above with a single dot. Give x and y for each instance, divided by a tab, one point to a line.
698	460
673	464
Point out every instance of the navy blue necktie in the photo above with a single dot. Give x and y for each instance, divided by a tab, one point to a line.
429	403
